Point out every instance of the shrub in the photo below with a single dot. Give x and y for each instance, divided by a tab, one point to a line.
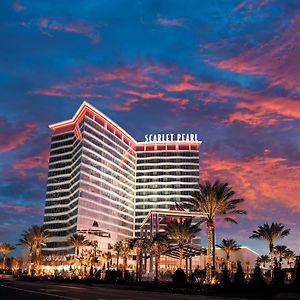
239	277
198	276
179	277
225	279
257	278
297	273
278	279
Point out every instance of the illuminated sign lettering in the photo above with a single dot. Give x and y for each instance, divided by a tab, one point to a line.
171	137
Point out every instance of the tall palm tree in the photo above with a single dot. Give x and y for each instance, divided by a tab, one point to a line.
280	251
228	246
106	257
125	251
138	244
5	248
181	233
27	240
214	200
118	248
270	234
40	234
289	256
158	243
77	241
263	259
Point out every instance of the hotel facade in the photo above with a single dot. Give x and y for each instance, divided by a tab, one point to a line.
103	183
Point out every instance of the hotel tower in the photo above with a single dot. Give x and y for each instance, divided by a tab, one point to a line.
103	183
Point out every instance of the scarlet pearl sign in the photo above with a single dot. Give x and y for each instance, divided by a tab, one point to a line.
172	137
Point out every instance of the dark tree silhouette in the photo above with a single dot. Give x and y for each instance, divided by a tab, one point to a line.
239	276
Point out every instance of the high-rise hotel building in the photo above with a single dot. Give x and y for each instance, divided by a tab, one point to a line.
103	183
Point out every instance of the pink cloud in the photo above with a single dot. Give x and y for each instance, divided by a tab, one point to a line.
18	6
124	106
36	161
15	207
80	27
263	181
170	22
275	59
250	6
11	138
253	108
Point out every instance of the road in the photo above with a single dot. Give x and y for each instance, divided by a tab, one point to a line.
16	290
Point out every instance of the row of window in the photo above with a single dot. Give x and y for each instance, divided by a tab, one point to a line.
168	154
168	167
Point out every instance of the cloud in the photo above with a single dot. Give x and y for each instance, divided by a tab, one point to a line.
264	181
250	6
13	136
48	26
124	106
16	207
170	22
17	6
36	161
275	59
254	108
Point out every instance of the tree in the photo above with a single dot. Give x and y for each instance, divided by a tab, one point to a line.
106	257
214	200
228	246
289	256
239	277
117	248
5	248
27	240
181	233
263	259
225	279
138	244
39	234
280	251
77	241
158	243
125	251
257	278
270	234
296	282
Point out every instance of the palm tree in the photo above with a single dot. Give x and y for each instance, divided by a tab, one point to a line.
182	232
229	246
106	257
117	248
263	259
5	248
270	234
280	251
214	200
77	241
138	244
39	234
125	251
158	243
289	256
27	240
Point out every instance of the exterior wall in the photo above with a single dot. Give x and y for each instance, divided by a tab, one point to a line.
107	182
165	174
61	207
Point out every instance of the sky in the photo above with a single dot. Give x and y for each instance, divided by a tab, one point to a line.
227	70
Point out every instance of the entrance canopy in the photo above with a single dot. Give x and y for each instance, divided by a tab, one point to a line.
188	251
154	218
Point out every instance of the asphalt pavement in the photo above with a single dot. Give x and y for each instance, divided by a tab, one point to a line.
16	290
